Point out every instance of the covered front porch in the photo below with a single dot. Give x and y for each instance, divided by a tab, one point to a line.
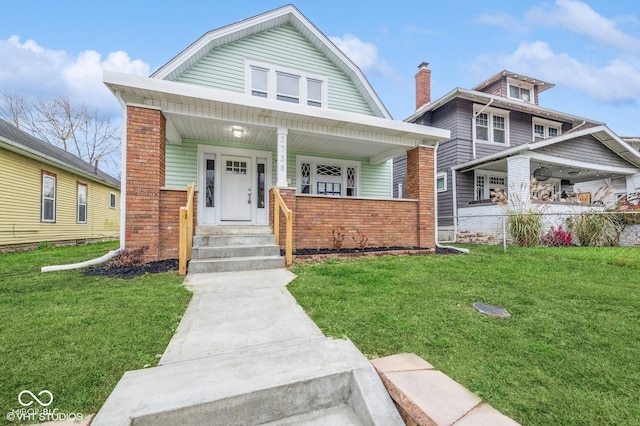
553	177
332	167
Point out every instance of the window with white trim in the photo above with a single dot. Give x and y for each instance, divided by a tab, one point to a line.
520	90
325	176
81	212
285	84
488	183
441	182
112	200
49	190
543	129
490	125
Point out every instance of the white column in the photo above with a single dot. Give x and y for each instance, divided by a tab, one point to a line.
281	181
519	180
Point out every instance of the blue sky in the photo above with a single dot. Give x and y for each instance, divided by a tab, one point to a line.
589	49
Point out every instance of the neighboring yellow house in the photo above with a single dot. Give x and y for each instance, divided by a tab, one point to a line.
50	195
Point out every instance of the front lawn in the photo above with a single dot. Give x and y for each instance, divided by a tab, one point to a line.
569	354
75	335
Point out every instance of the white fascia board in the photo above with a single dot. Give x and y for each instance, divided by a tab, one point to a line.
493	157
546	158
9	145
475	96
127	83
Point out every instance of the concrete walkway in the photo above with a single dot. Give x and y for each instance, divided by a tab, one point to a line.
246	353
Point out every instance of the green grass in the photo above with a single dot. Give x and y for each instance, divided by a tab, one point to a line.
74	335
569	355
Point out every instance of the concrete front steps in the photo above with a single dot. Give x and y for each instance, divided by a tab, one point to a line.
317	381
234	248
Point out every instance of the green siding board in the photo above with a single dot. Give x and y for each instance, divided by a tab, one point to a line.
223	68
181	167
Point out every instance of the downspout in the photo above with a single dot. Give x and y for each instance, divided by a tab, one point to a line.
123	183
473	125
454	187
123	172
575	128
435	207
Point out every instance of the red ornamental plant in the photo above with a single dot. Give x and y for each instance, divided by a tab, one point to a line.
557	237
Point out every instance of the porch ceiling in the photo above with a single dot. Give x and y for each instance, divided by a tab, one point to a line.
208	114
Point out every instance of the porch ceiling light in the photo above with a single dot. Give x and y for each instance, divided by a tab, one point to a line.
237	133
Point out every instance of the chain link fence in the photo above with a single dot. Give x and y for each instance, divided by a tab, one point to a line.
593	228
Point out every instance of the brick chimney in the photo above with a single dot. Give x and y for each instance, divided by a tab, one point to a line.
423	85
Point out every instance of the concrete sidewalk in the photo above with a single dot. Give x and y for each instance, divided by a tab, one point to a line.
246	353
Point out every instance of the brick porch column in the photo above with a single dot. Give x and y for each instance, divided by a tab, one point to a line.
146	133
421	186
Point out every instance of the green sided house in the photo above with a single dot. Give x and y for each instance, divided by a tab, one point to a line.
265	103
52	195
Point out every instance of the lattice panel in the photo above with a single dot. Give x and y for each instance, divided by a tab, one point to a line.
326	170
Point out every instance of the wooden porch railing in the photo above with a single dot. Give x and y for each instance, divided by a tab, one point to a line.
186	231
280	204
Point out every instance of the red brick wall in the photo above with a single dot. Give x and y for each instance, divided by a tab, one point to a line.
145	170
384	223
169	229
421	186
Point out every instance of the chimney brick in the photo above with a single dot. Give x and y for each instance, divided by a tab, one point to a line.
423	85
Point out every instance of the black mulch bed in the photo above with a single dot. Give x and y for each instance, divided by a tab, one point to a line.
311	252
134	271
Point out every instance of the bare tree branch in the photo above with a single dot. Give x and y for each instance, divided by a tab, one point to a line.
76	129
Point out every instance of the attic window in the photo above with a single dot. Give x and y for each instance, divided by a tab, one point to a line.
285	84
520	90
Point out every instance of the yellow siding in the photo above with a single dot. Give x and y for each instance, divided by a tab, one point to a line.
20	200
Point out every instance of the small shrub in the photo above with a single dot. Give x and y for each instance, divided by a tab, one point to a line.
525	227
361	241
597	229
128	257
338	239
557	237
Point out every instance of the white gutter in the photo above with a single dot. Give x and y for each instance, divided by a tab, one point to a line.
84	264
123	172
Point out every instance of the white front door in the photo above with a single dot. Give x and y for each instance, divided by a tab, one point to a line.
235	189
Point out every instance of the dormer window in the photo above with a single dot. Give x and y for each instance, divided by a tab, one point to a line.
285	84
520	90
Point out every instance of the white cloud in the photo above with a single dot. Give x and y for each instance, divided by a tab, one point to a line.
503	20
365	55
580	18
617	81
30	69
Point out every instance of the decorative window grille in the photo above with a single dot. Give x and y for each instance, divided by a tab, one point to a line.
325	170
305	178
351	181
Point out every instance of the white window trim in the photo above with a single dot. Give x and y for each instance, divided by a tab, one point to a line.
487	189
442	175
273	71
314	161
86	203
477	109
46	175
115	199
523	85
546	124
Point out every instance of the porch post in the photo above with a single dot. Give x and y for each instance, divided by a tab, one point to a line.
519	180
281	181
421	186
